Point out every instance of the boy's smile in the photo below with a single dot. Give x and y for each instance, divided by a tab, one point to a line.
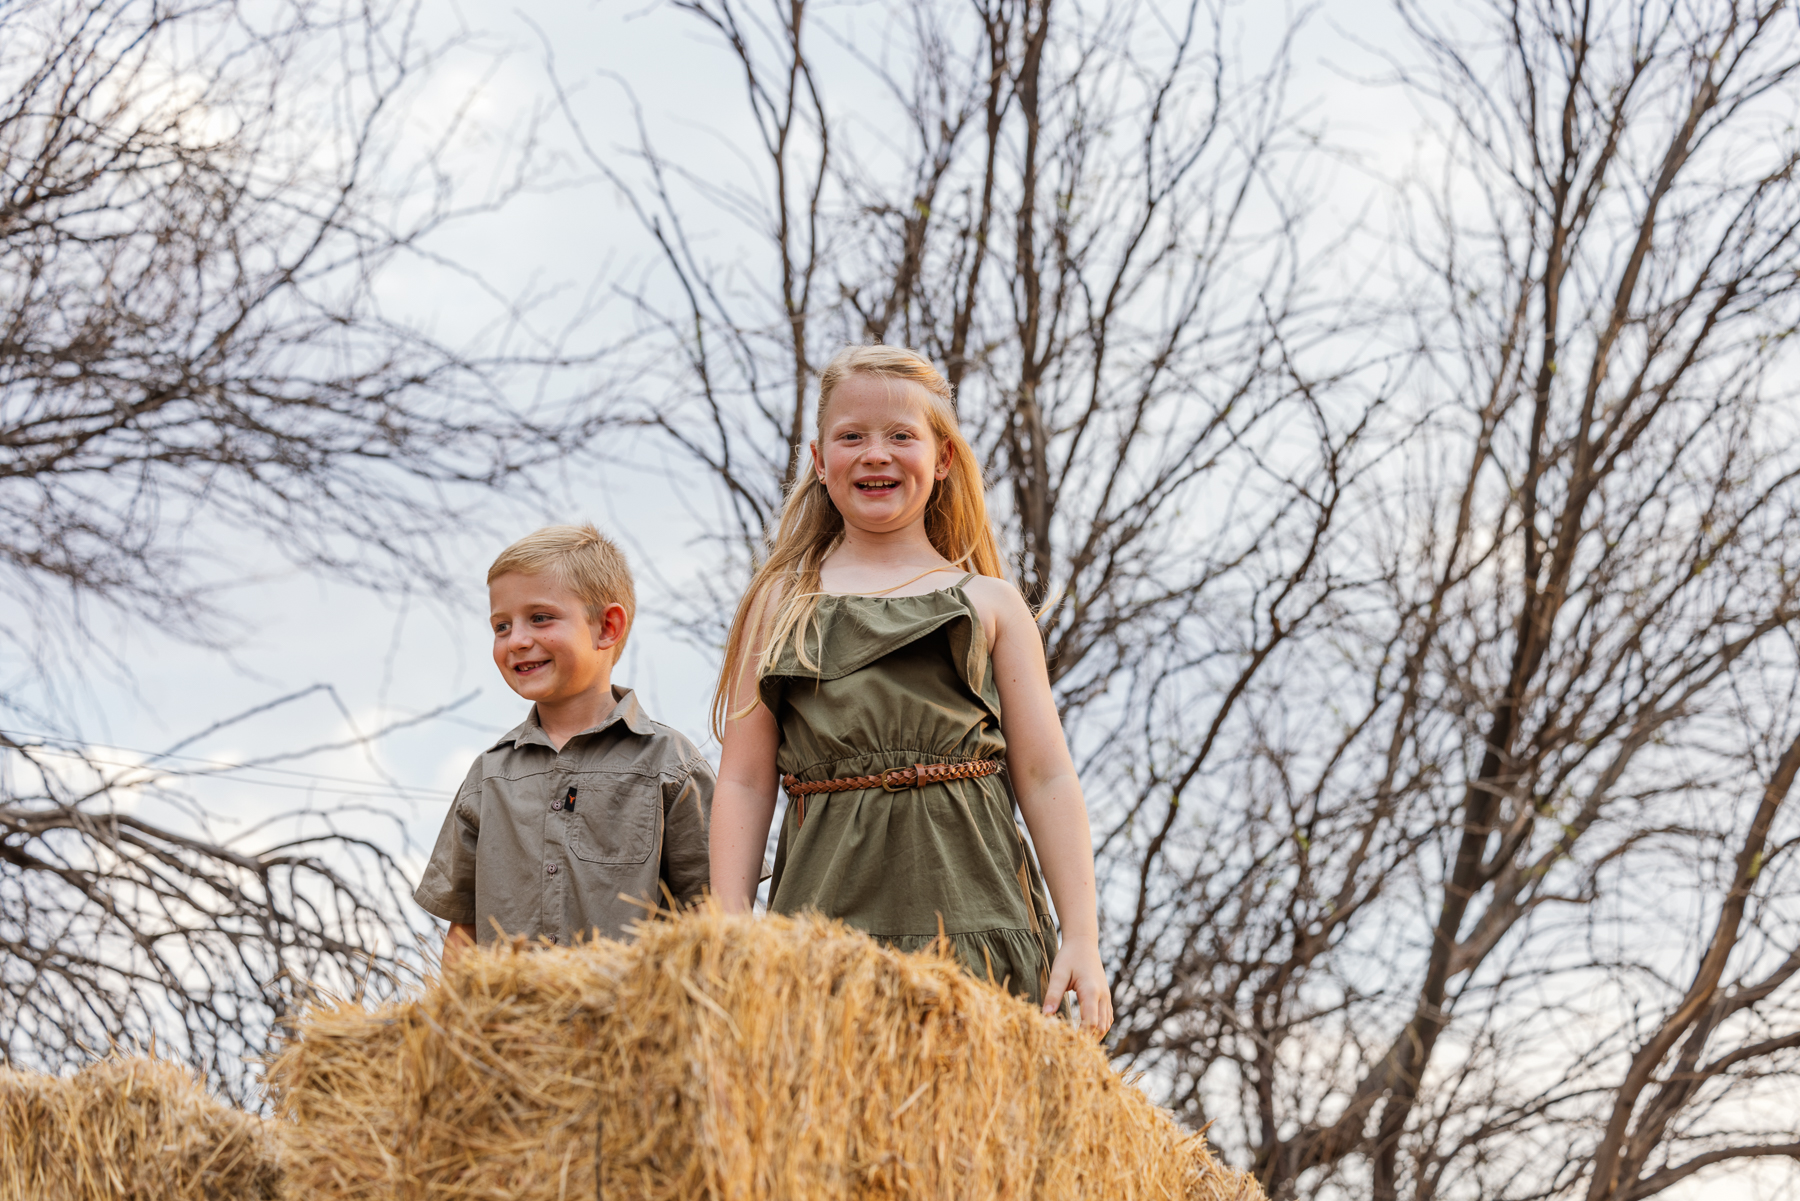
545	645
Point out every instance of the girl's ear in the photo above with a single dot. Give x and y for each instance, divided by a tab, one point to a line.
818	467
946	449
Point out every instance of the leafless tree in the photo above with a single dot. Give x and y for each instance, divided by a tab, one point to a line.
132	915
199	202
1078	235
193	227
1418	935
1427	638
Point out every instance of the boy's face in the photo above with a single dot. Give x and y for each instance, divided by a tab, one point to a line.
544	643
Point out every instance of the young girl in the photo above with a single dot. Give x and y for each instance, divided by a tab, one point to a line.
883	669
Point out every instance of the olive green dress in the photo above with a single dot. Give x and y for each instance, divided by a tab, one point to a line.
900	681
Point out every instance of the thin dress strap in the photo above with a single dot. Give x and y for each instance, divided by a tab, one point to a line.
964	580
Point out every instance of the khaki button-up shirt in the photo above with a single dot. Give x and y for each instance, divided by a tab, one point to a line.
556	845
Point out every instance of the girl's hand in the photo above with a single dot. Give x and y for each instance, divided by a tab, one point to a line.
1077	968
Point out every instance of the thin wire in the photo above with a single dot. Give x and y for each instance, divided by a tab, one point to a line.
50	741
396	793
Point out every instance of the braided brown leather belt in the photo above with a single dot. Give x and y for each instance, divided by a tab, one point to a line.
894	779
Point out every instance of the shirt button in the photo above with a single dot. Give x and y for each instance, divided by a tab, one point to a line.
550	868
556	806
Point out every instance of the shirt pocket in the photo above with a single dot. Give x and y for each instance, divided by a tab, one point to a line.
616	817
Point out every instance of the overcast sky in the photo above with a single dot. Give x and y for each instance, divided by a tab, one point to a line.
375	658
391	656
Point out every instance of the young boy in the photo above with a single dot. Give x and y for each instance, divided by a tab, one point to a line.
588	809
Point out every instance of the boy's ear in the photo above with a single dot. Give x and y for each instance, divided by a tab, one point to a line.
611	627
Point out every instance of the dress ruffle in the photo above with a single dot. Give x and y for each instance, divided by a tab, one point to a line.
1012	959
853	632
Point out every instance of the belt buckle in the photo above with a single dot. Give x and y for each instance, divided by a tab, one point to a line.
891	774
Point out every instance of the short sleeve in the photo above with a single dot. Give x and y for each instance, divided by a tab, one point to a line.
448	887
687	815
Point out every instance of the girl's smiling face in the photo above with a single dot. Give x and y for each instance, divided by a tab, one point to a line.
877	455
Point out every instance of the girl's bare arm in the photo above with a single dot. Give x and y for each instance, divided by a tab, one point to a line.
744	797
1050	799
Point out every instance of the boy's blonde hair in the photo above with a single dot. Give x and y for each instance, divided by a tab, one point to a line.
581	559
956	521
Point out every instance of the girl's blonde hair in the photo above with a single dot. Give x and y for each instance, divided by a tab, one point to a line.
956	521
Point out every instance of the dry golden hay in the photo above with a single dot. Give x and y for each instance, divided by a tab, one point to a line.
129	1130
723	1058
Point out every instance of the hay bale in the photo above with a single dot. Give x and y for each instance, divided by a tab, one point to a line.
722	1058
129	1129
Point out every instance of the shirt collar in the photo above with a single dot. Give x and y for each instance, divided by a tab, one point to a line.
625	709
